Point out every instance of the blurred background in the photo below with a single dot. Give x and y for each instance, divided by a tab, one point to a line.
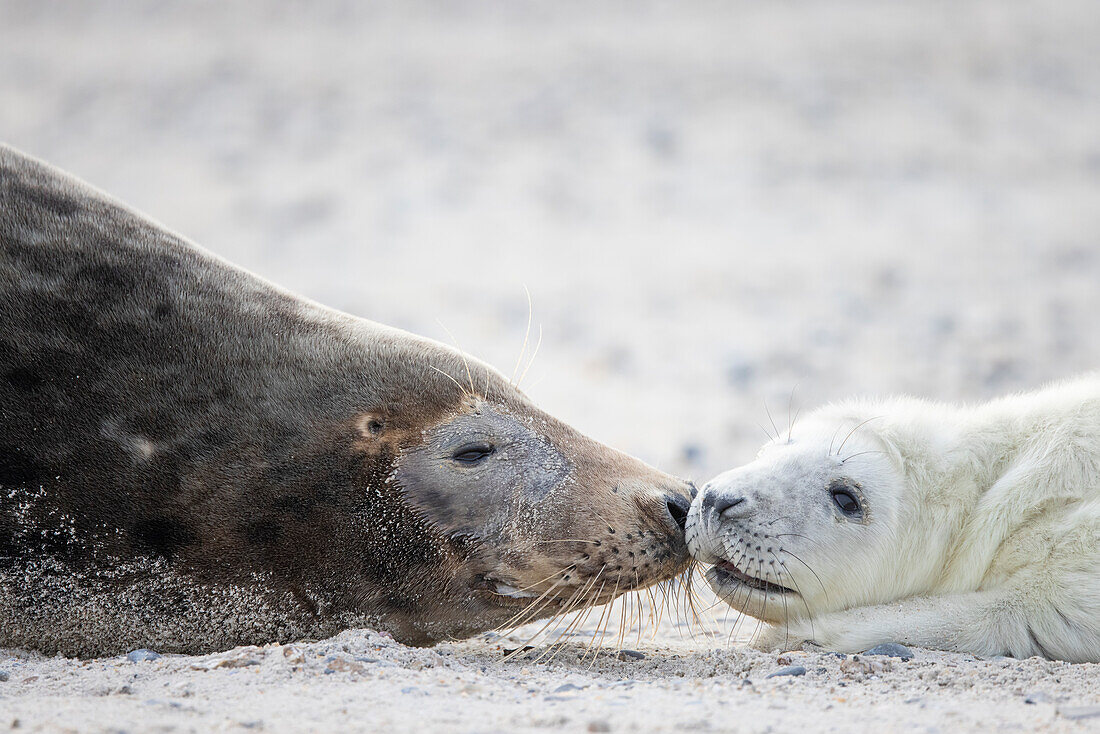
711	203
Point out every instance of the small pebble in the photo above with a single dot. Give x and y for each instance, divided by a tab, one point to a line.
241	661
789	670
567	687
343	665
856	666
142	655
1037	697
631	655
892	650
599	726
4	675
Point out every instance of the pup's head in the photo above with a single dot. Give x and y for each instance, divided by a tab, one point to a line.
809	526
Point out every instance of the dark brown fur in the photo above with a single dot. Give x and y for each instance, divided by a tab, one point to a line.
192	458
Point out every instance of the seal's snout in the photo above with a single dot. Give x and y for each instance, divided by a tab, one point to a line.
729	496
678	507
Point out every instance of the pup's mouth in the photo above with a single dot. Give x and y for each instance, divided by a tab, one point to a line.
727	573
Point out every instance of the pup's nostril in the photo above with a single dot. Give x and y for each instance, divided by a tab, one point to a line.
721	504
678	509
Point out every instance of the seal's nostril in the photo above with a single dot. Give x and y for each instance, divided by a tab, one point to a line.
721	504
708	499
678	509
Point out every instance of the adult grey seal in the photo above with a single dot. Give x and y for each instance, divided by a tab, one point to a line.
192	458
968	528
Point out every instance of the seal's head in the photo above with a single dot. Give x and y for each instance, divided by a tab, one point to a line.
524	517
811	525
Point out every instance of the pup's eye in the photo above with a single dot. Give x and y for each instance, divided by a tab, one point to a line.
847	502
473	453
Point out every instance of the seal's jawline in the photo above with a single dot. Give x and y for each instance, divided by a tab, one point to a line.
726	573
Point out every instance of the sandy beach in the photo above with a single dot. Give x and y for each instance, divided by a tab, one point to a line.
714	206
364	681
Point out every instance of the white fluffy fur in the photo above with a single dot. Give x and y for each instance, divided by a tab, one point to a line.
981	532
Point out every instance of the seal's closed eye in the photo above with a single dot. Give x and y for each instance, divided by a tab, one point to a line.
473	453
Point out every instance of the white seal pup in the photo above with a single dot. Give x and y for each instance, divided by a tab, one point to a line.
973	529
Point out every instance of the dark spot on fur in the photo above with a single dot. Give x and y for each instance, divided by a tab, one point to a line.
211	439
116	280
297	505
163	535
23	378
58	204
163	311
16	468
262	532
